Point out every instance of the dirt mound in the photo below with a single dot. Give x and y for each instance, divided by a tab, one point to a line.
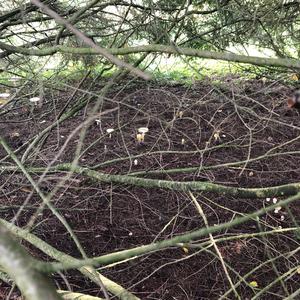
229	131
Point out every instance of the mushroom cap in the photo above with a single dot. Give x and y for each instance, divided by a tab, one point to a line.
98	121
110	130
143	129
35	99
277	209
4	95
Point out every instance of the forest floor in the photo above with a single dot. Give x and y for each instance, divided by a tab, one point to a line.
204	125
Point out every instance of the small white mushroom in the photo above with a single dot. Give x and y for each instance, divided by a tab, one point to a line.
141	134
179	114
217	136
277	209
5	95
4	98
135	162
183	142
35	100
15	134
110	131
98	122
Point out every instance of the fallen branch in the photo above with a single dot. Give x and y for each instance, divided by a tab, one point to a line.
110	285
282	190
157	48
185	186
20	266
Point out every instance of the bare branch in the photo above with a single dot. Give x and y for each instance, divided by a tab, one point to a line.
89	42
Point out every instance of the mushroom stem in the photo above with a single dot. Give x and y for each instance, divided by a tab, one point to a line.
110	131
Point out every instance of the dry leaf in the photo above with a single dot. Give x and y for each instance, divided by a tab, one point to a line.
253	284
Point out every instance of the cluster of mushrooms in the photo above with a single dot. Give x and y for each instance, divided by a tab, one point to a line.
140	136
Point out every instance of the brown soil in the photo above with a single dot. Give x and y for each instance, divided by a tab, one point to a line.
250	117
